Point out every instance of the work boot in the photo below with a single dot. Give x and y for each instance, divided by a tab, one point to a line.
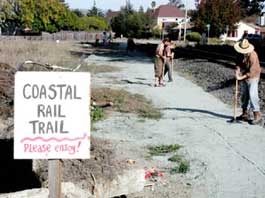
257	118
243	116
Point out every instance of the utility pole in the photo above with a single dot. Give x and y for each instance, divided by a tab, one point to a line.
185	24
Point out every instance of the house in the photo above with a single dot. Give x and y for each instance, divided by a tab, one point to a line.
168	14
111	14
242	28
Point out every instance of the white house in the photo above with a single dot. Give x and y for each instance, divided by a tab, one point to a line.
242	28
166	14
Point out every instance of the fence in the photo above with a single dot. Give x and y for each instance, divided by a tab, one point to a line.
63	35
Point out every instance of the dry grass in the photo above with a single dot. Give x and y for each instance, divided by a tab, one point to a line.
14	52
95	69
126	102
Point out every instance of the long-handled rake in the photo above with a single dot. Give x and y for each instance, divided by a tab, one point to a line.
172	67
234	120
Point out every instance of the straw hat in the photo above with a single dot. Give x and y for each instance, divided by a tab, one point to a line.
243	47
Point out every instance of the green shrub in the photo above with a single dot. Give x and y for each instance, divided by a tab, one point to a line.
156	33
194	37
93	23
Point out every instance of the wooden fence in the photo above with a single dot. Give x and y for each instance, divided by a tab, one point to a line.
63	36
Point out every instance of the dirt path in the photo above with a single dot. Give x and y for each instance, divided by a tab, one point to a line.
226	160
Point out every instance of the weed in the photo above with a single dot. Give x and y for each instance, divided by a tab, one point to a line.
151	114
163	149
15	52
126	102
174	170
183	167
97	114
175	158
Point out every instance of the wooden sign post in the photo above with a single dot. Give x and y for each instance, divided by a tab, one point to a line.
54	178
52	119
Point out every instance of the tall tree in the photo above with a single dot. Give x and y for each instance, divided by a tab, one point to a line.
128	9
153	5
220	14
251	7
131	23
94	11
78	12
256	7
177	3
41	15
141	9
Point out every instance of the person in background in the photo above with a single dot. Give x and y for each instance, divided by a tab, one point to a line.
97	39
130	46
169	61
248	72
160	60
110	38
104	38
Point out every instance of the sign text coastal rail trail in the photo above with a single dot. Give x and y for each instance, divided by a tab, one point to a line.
52	119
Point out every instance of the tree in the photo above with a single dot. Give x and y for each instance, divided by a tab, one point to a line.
176	3
128	9
131	23
251	7
43	15
94	11
153	5
256	7
92	23
10	14
78	12
220	14
141	9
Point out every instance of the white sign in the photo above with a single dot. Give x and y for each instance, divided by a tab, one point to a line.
52	115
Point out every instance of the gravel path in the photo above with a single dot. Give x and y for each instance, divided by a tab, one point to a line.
226	160
214	78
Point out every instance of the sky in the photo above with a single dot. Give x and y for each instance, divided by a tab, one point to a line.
116	4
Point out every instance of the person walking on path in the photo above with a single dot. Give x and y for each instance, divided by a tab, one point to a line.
97	39
160	60
248	72
169	61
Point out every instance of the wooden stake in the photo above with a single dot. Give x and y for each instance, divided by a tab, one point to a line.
172	68
54	178
235	99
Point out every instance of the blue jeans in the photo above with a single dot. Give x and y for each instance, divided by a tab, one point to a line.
250	95
168	70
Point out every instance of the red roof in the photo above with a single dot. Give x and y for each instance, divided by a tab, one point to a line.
168	11
110	14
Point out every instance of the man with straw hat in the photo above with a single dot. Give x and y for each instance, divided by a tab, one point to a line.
249	73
